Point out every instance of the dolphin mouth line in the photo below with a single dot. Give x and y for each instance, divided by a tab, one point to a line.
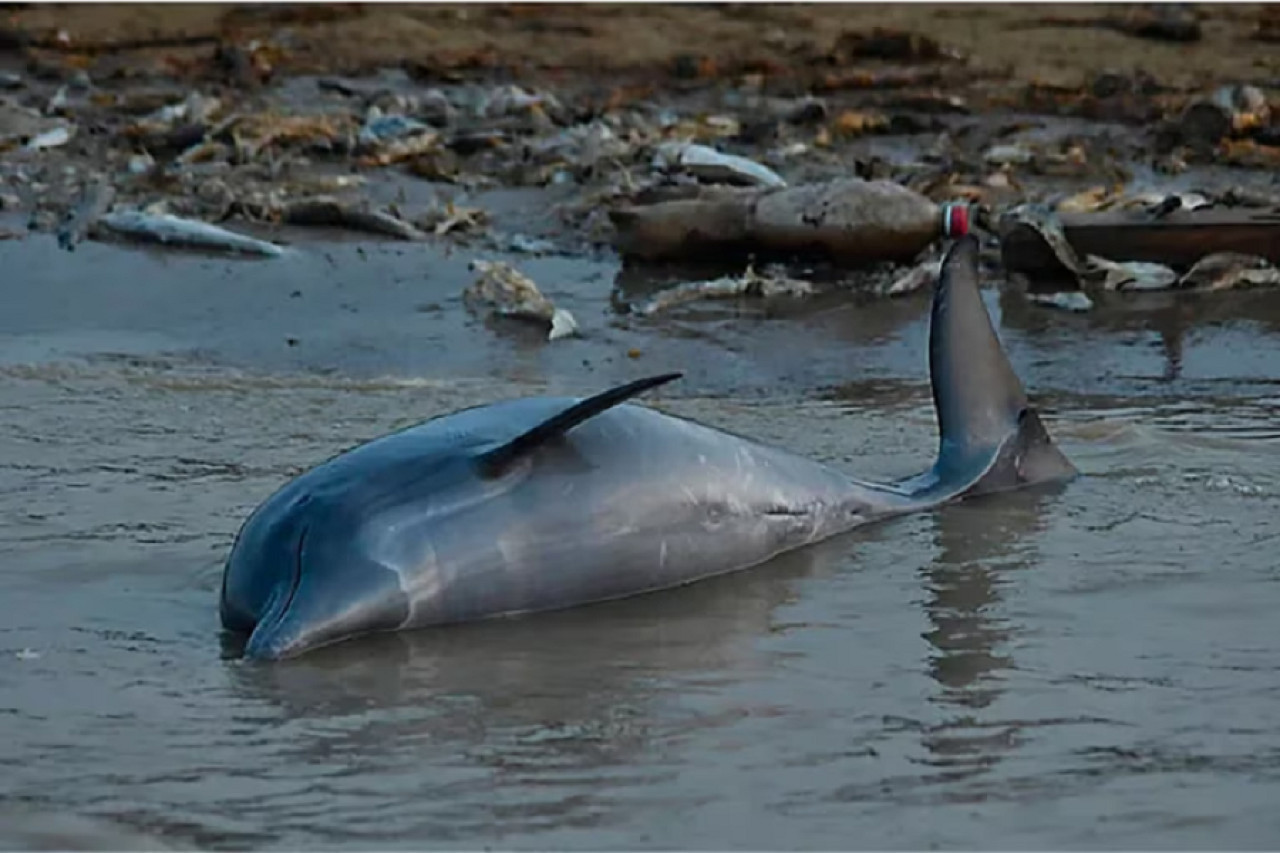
278	609
297	571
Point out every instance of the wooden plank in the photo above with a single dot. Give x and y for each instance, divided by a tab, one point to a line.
1177	240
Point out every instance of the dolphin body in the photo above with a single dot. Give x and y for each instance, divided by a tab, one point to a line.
545	503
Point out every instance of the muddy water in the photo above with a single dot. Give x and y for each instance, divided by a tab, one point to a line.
1090	667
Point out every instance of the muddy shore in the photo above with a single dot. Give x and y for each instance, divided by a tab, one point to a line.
509	132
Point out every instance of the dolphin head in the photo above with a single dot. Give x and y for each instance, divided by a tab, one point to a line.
333	553
300	577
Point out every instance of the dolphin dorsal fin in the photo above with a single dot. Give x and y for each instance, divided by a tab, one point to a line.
977	395
494	462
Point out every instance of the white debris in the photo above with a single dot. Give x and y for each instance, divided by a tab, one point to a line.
750	283
53	138
1066	300
510	293
708	164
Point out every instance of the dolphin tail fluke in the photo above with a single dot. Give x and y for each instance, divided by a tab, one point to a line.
991	439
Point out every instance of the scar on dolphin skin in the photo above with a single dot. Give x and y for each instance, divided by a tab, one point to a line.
465	517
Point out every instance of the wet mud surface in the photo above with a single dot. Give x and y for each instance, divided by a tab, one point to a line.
1091	667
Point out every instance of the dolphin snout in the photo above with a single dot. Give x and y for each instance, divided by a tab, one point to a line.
280	633
325	609
272	641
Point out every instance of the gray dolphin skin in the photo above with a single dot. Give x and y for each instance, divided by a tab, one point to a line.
545	503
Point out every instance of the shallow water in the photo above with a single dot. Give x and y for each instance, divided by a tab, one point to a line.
1096	666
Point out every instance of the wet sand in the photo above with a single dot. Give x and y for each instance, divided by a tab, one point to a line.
1086	668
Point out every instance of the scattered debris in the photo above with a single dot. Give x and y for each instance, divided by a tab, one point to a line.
1004	155
379	128
916	277
1101	198
1230	271
891	44
1219	271
54	138
1065	300
1159	21
529	245
175	231
448	218
750	283
510	293
79	220
1212	270
257	133
513	100
186	119
1130	275
331	212
1249	154
1039	242
1229	112
708	164
140	164
387	139
1037	226
651	163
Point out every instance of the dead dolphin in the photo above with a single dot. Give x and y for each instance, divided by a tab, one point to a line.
544	503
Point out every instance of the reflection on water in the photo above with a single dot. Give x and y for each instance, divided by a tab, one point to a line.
979	544
1172	340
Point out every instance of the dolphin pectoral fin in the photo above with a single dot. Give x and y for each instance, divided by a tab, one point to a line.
494	462
990	437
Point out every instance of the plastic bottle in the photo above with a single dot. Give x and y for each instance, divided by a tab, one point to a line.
849	221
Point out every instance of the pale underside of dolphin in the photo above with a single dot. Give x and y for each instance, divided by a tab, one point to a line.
544	503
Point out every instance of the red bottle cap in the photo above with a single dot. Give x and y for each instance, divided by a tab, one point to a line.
955	219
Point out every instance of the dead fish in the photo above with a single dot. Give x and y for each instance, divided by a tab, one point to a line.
1230	271
1130	275
1065	300
333	213
176	231
708	164
750	283
512	294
